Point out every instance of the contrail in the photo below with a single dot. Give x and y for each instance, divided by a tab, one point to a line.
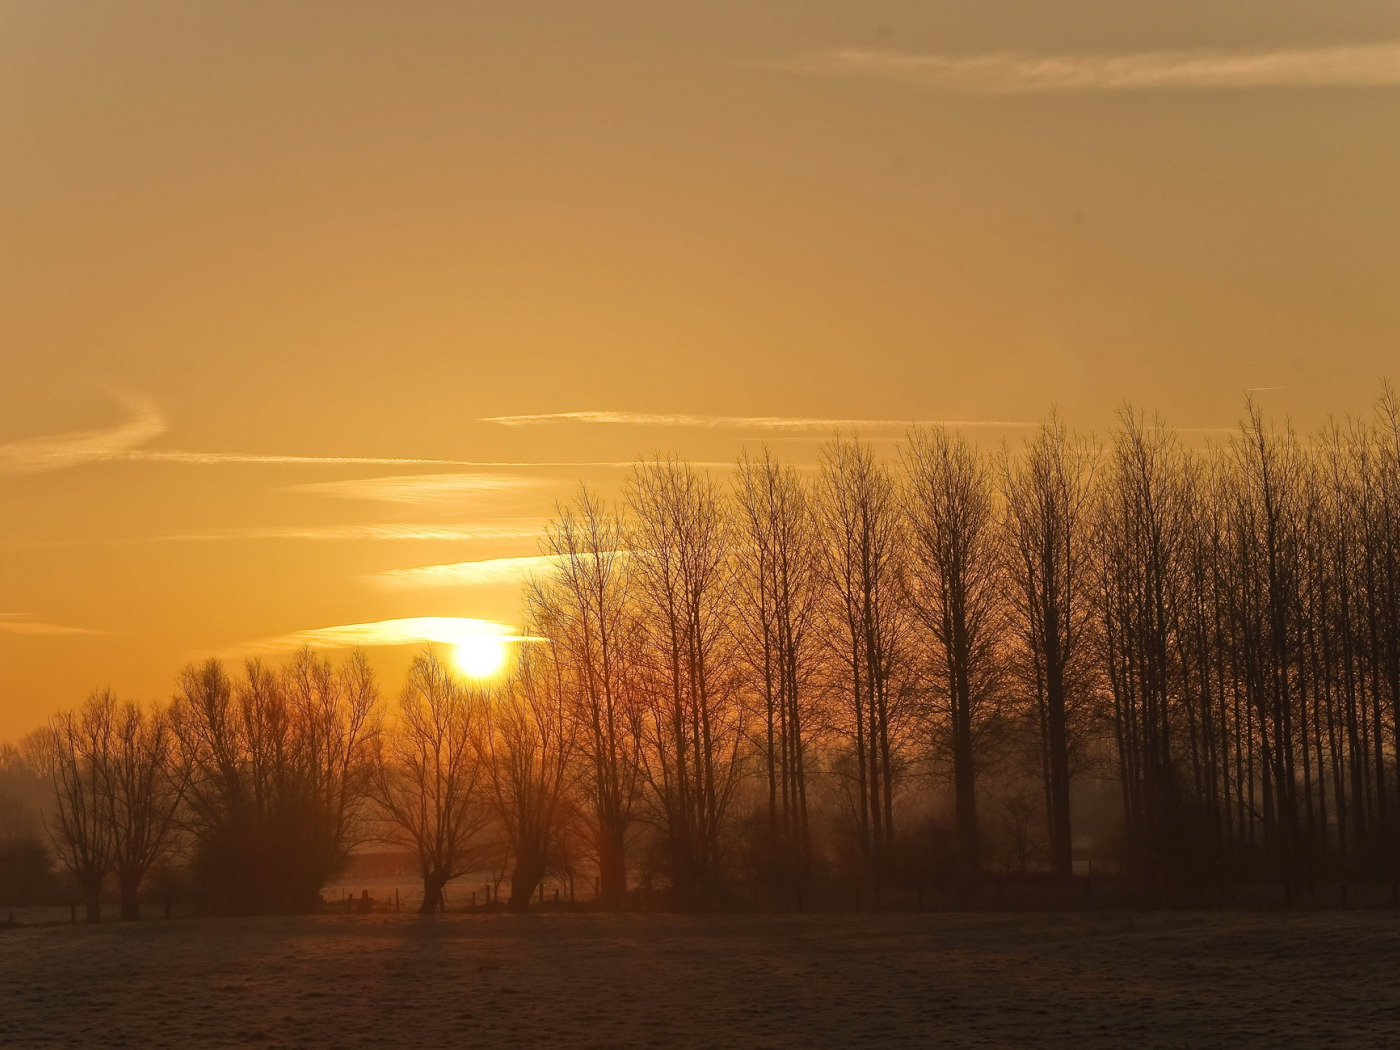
1374	65
55	451
655	419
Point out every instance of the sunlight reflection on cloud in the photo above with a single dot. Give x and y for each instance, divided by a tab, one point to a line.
423	488
465	573
411	630
521	528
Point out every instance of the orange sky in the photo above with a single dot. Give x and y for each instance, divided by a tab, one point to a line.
342	230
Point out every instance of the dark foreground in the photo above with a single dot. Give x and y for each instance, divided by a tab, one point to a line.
579	981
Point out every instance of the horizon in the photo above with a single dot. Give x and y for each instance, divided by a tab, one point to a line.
473	604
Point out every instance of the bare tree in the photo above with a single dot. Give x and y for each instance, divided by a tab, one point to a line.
278	765
867	625
335	712
1047	492
141	785
1142	545
679	554
1343	634
955	590
80	830
1386	592
530	749
582	605
779	588
430	778
1267	518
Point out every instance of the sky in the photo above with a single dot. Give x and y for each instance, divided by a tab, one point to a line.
310	312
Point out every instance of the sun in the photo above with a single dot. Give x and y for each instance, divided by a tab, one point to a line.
481	655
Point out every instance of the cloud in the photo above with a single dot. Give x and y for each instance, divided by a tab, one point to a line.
652	419
55	451
470	573
216	458
412	630
524	528
233	458
465	573
146	423
1019	73
23	623
421	488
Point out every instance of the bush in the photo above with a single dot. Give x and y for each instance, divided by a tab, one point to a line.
26	872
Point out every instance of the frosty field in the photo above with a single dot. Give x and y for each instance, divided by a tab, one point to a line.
715	981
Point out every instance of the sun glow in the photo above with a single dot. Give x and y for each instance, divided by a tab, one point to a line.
478	648
481	655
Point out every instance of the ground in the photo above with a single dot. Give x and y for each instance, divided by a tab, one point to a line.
580	980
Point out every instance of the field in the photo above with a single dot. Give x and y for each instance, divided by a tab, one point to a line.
580	980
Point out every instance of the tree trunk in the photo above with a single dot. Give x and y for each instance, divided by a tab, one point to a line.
131	904
92	899
524	880
964	787
1061	856
612	871
432	893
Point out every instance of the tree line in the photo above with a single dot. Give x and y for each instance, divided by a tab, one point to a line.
788	686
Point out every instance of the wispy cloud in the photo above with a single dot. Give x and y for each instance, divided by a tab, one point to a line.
233	458
23	623
659	419
145	423
124	442
1372	65
218	458
422	488
465	573
412	630
523	528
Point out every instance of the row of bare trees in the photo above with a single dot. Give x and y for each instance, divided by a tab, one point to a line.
260	782
1248	618
784	677
848	636
1218	630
